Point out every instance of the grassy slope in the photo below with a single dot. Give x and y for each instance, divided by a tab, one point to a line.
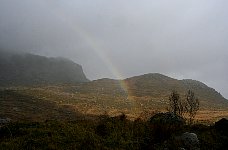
146	94
19	106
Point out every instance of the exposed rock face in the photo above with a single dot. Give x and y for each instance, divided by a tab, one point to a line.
28	69
187	141
4	120
190	141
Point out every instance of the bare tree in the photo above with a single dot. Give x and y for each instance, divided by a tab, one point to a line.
192	105
175	104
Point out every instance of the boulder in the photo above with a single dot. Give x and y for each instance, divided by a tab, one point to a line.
5	120
190	141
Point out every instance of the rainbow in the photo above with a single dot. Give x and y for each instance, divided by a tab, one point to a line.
93	43
100	51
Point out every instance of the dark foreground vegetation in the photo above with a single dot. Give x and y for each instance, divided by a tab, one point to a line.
111	133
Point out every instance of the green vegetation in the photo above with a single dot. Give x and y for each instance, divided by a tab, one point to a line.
192	105
106	133
19	106
175	104
60	109
56	117
183	107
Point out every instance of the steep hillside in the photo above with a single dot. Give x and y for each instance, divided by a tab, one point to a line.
61	82
160	86
150	91
146	91
207	94
28	69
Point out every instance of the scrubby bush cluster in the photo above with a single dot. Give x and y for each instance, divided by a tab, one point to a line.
187	107
159	132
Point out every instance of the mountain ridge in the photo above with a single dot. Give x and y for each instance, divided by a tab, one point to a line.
30	69
188	84
158	86
146	91
132	96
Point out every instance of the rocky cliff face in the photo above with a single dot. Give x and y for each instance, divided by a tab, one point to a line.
29	69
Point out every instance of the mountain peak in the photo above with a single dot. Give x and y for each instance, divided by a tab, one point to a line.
151	77
30	69
155	75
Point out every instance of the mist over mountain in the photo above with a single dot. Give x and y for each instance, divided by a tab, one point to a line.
23	69
29	69
113	74
33	80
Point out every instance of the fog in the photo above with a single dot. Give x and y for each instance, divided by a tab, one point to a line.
124	38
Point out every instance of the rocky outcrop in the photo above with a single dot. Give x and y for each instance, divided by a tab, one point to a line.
29	69
190	141
4	121
186	141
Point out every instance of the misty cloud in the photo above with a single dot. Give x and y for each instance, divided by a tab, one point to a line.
183	39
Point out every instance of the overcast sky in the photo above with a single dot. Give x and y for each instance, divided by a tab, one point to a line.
124	38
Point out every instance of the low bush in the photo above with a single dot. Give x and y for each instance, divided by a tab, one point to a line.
108	133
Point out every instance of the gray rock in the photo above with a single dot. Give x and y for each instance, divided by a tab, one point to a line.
5	120
190	141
